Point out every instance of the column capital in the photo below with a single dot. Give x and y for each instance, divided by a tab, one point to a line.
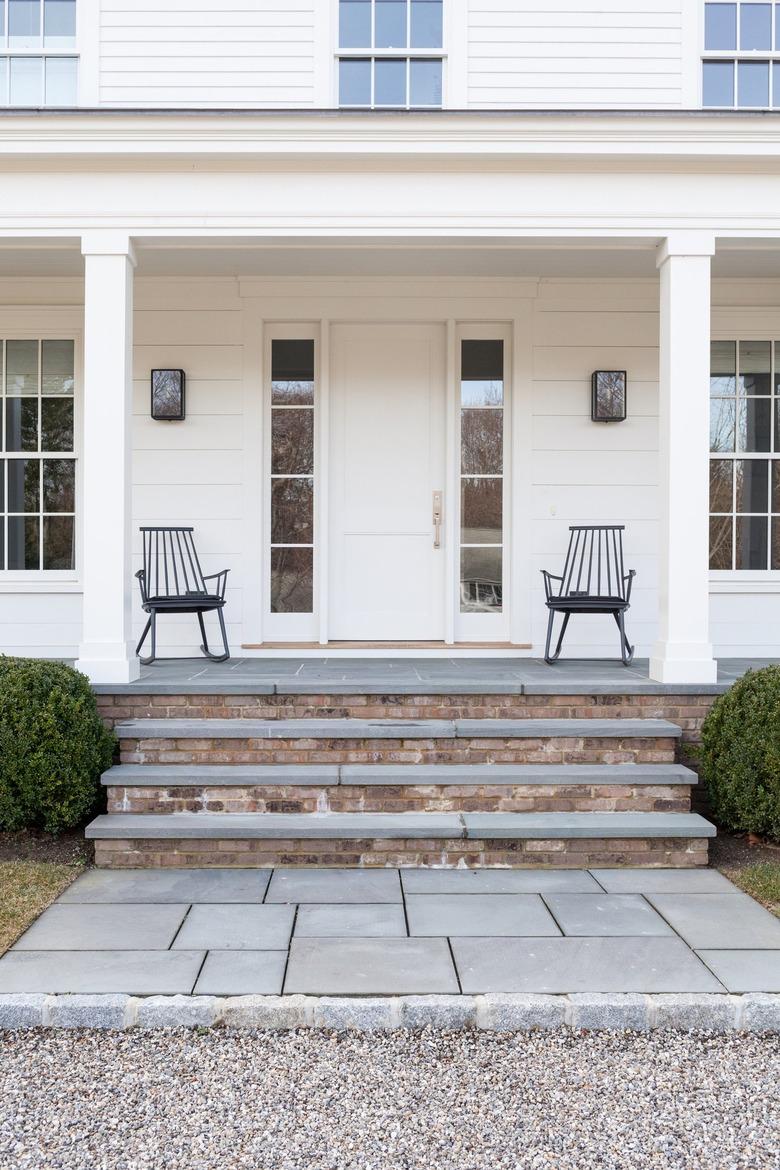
685	244
108	243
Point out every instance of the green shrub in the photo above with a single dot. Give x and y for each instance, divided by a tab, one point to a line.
740	755
53	745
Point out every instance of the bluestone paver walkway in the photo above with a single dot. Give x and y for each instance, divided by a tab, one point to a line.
391	932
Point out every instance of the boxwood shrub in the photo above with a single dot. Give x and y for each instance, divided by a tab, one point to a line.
740	756
53	745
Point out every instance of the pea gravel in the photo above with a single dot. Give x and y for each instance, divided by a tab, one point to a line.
399	1100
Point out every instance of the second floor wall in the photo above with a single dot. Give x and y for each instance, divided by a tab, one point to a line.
456	54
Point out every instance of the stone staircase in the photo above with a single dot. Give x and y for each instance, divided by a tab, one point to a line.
572	792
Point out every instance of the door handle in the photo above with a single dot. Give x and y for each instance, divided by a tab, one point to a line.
437	518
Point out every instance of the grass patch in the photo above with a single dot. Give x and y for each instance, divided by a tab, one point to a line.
26	889
761	880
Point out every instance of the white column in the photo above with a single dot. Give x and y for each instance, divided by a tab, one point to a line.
106	653
683	652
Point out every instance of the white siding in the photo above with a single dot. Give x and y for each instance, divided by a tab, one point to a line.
575	53
258	53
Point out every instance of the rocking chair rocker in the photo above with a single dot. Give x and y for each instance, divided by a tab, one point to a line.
593	581
172	581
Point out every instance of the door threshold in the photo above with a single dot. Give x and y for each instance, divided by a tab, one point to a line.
388	649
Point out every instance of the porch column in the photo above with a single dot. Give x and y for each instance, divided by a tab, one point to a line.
683	652
106	653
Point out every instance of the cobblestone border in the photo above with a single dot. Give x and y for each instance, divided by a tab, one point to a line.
498	1013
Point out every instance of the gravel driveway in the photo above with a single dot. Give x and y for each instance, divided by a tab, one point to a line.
229	1100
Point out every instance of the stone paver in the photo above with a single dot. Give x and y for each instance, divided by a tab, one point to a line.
746	970
364	920
497	881
386	966
242	973
100	972
606	915
460	915
560	965
663	881
103	928
710	920
236	928
172	885
334	885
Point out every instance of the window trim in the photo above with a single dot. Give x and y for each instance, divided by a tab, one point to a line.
53	580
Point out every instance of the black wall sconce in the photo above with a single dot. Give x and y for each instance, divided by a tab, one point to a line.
608	396
168	395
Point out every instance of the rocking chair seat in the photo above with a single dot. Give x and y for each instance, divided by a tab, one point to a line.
576	604
189	604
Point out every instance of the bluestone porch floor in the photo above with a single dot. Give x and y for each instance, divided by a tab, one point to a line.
391	932
508	675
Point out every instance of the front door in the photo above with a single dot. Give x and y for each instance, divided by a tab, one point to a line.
386	568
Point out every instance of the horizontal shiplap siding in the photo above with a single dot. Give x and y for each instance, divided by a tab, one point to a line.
192	53
574	53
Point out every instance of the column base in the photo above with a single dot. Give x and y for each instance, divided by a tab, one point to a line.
683	664
109	663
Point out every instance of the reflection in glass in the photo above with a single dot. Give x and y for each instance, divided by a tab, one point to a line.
480	511
718	83
61	74
21	367
292	442
56	424
58	542
168	395
23	542
752	482
389	82
721	480
59	485
21	424
59	23
776	485
751	542
26	81
720	26
24	23
755	26
292	371
390	24
292	580
723	368
424	83
482	372
355	24
23	485
752	83
754	430
426	24
754	365
57	367
775	543
292	511
720	542
480	580
482	442
355	82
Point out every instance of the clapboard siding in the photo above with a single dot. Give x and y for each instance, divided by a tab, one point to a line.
256	53
564	53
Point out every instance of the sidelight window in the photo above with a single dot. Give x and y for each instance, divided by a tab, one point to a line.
481	475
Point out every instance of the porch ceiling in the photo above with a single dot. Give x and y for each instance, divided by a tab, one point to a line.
367	257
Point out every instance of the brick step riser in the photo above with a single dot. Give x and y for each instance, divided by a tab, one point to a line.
373	798
413	751
577	853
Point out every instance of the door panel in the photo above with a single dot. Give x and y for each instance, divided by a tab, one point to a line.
386	460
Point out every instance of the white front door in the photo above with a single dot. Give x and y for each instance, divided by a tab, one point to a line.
386	461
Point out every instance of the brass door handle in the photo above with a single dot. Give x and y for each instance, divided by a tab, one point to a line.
437	518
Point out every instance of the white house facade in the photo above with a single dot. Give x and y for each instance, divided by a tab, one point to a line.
389	243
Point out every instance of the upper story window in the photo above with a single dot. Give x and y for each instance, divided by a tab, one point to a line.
741	65
390	54
38	66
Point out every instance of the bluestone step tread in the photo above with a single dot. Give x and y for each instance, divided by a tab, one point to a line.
145	729
365	826
312	775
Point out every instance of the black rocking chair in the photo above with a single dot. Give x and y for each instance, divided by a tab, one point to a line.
172	581
593	581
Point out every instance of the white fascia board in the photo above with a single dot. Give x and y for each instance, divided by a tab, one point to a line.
687	135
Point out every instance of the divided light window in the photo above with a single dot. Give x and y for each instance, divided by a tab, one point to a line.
481	475
741	65
745	455
292	475
390	54
37	63
37	460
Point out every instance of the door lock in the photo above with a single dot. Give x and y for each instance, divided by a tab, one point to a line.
437	518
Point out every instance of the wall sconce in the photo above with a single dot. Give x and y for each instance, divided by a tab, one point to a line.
608	396
168	395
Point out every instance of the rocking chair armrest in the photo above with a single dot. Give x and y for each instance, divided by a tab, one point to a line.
221	579
628	582
141	578
548	577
